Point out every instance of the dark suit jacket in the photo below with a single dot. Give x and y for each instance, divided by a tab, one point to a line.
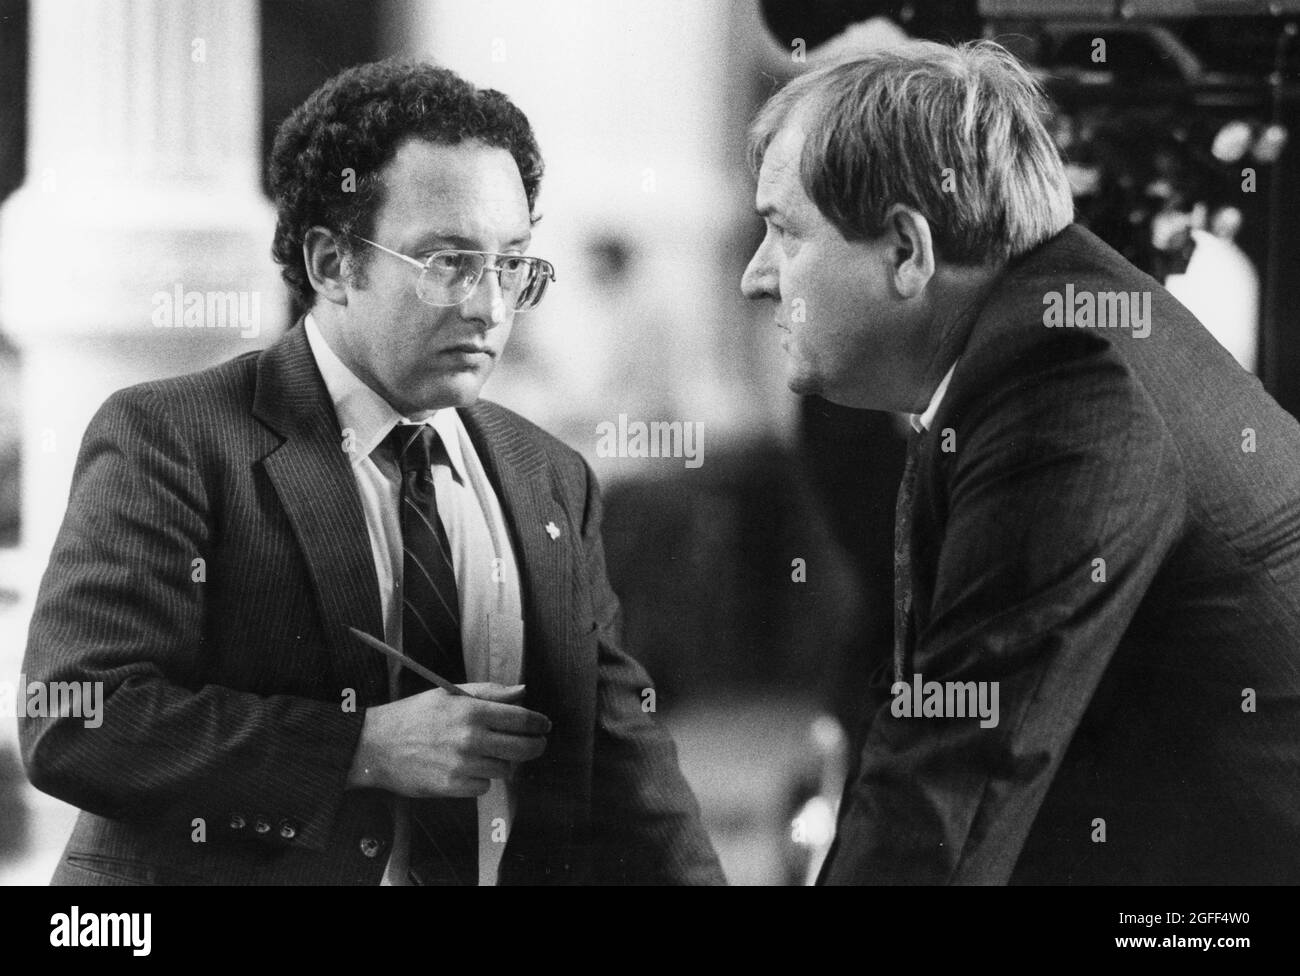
224	698
1123	700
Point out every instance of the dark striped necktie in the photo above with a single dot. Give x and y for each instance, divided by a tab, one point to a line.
444	833
903	556
430	602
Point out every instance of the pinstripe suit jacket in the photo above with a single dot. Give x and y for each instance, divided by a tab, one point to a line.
1108	527
225	681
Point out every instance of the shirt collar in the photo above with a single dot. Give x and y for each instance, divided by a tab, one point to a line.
367	414
922	421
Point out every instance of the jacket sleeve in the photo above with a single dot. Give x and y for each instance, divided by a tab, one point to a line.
119	607
646	820
1065	495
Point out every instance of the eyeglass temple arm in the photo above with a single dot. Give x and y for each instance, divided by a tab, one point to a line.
543	265
388	250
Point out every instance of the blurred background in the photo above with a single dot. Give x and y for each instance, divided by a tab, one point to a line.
757	584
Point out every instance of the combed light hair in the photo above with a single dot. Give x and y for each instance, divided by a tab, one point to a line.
954	132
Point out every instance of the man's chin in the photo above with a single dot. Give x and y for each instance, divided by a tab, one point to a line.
857	399
453	394
844	396
461	397
802	384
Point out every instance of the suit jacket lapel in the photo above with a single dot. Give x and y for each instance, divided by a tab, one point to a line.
312	476
519	473
553	668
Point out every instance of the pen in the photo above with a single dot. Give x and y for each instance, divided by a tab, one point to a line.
396	655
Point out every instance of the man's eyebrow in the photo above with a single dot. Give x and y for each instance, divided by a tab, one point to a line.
435	237
464	243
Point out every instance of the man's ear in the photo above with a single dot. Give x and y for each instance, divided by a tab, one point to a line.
325	265
912	250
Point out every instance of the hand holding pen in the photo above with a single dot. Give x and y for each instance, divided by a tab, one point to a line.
449	741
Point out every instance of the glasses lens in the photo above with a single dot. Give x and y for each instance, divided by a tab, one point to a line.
535	288
515	273
449	277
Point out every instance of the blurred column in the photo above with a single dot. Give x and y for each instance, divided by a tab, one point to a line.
640	110
141	216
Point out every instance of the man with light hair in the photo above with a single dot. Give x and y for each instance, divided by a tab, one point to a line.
1099	519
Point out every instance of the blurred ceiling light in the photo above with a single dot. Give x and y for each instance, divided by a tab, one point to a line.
814	826
1232	141
1084	180
1269	145
1169	229
1226	222
827	734
1063	132
1161	189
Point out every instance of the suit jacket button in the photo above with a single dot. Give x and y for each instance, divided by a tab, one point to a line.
287	830
371	846
262	826
237	821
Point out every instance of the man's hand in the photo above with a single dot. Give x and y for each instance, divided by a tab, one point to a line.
438	745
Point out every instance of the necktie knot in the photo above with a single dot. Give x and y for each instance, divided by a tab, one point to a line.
417	447
413	445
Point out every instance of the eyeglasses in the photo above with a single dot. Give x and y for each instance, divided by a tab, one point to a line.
449	277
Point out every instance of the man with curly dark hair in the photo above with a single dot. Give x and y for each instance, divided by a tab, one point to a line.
324	173
343	489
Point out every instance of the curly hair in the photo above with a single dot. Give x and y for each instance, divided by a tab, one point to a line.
352	126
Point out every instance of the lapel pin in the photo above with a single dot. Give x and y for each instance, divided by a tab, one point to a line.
552	530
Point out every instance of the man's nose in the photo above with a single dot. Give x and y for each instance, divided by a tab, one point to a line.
759	279
486	303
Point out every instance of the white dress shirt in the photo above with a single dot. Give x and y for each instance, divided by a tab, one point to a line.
487	575
922	421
